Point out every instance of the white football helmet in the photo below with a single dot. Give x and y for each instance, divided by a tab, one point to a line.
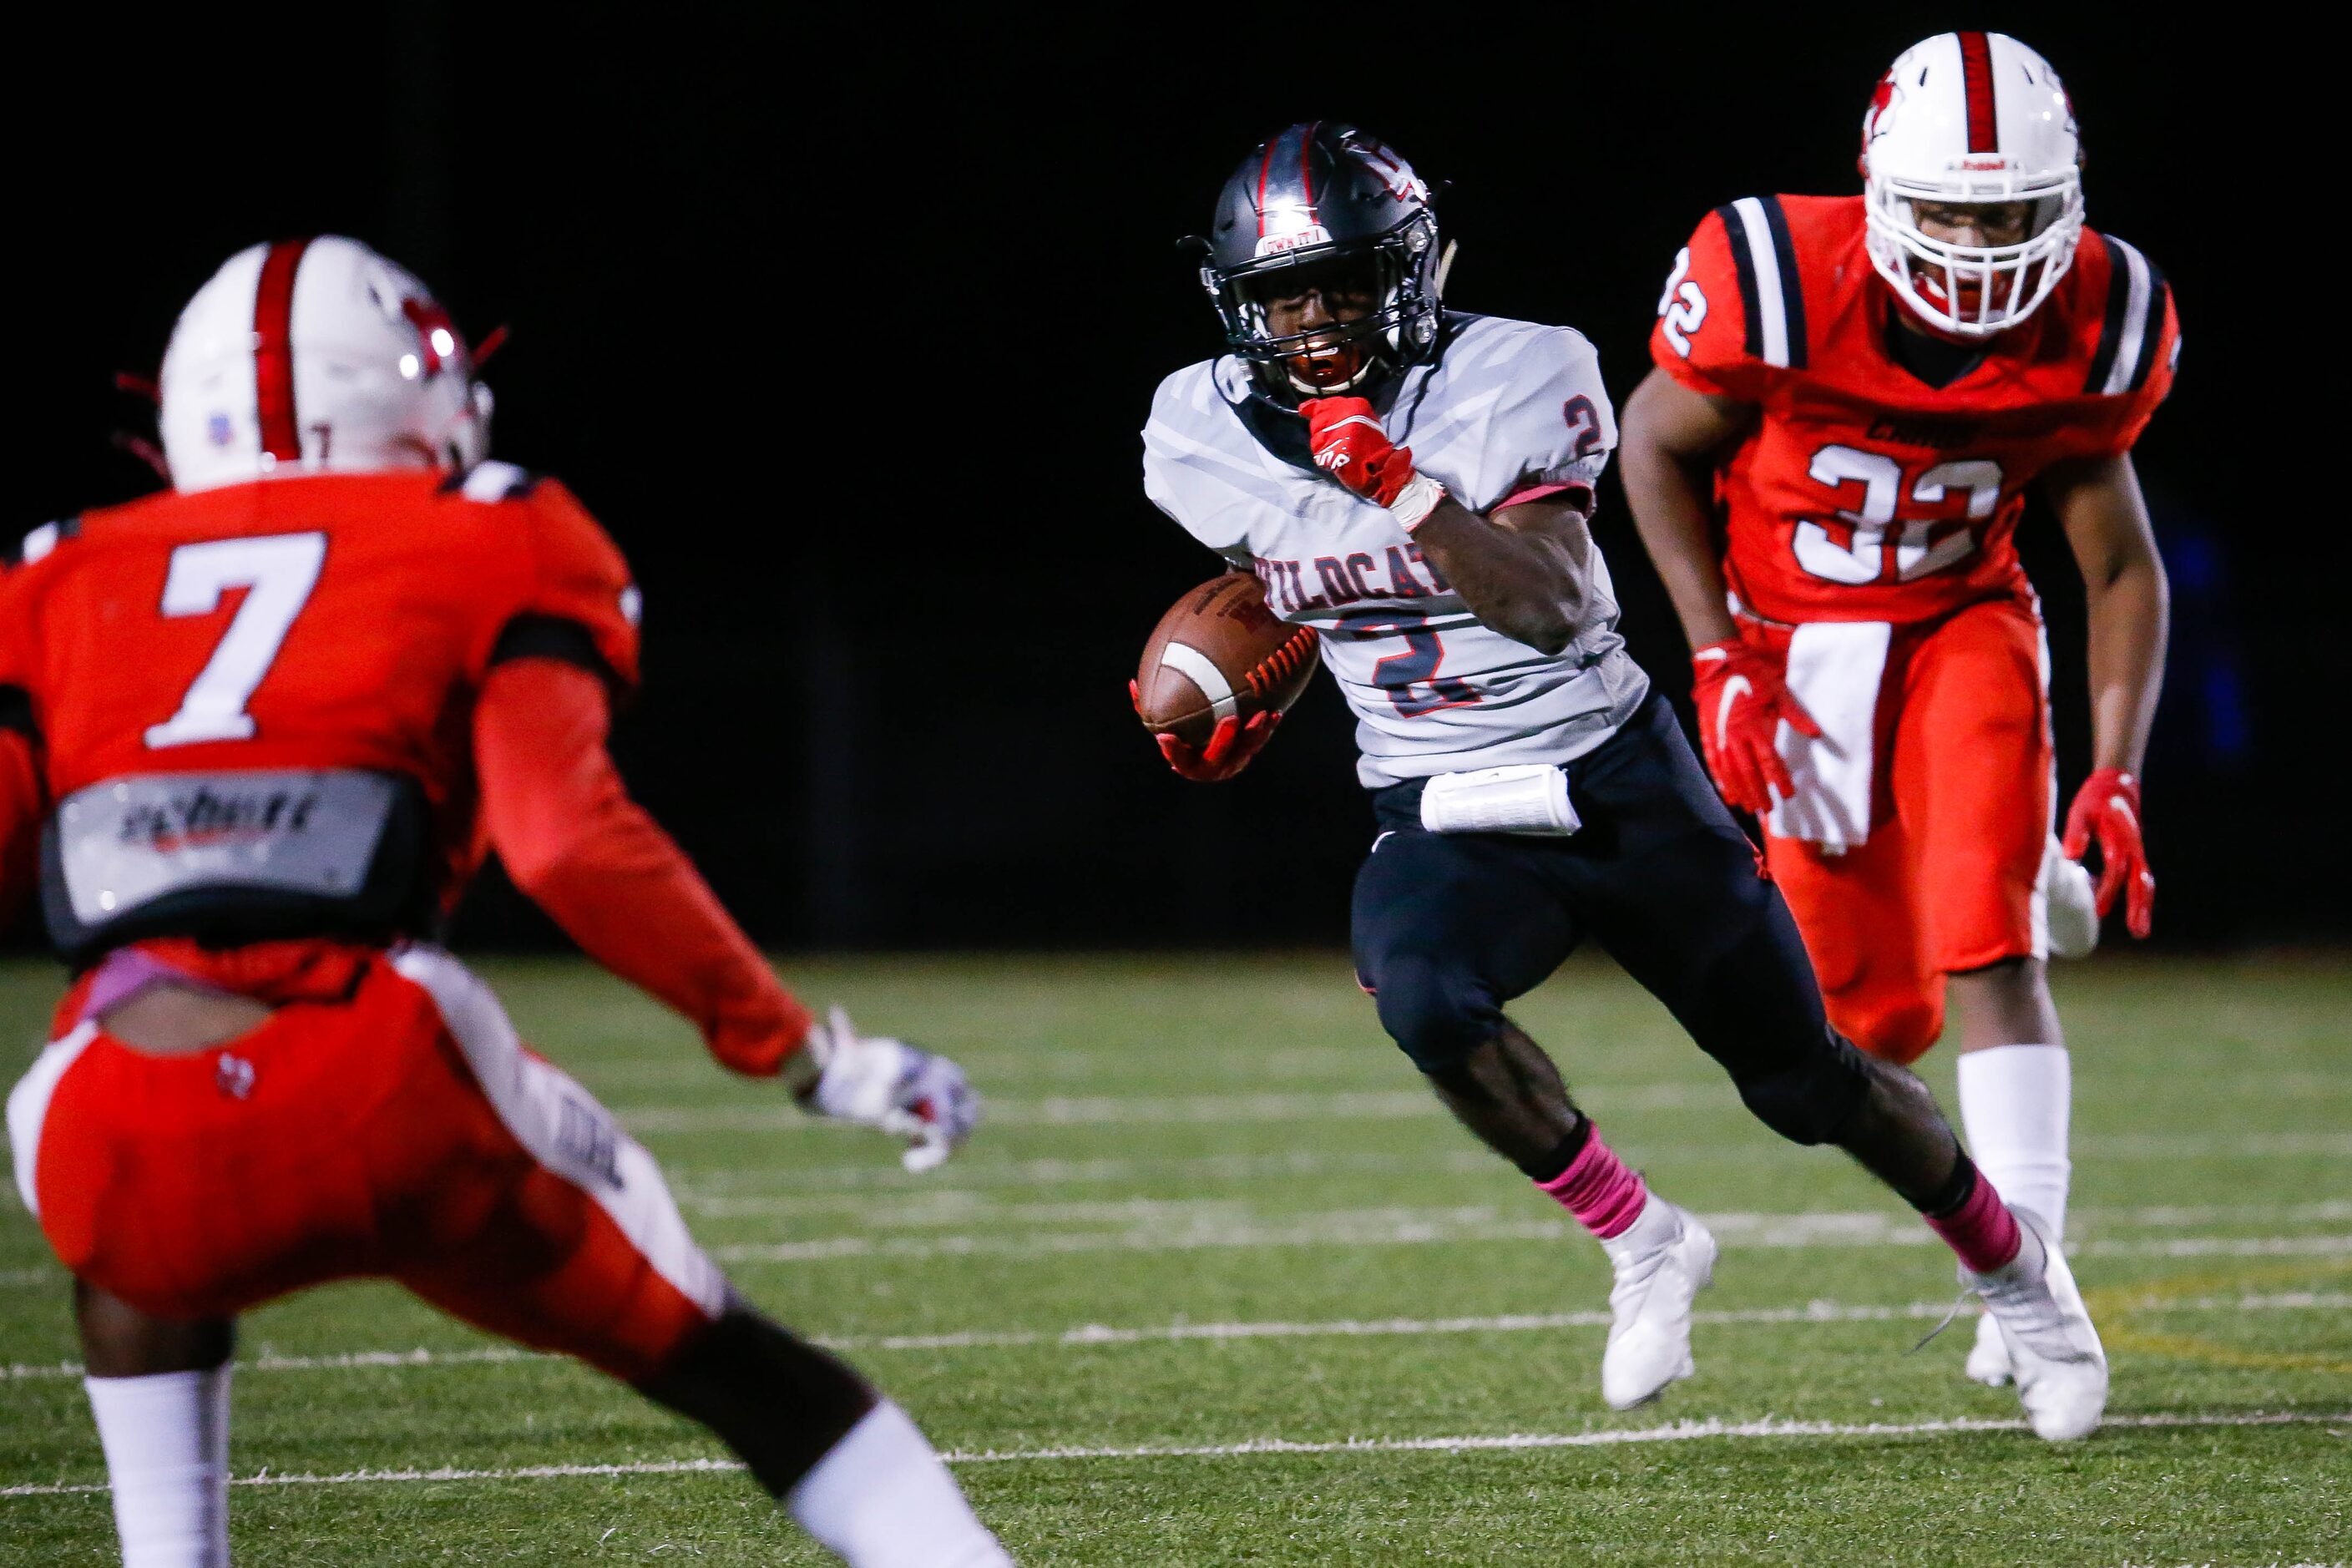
316	355
1972	117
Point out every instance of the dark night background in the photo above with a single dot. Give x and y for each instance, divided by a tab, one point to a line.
847	336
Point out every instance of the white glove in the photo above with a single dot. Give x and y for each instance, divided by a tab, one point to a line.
891	1087
2071	904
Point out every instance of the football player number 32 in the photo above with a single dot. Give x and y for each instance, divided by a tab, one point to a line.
1917	551
277	573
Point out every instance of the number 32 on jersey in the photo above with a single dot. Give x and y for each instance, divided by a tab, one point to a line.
1915	549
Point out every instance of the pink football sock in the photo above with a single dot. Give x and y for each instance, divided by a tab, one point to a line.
1981	1230
1597	1188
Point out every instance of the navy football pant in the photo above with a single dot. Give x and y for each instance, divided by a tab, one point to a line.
1450	927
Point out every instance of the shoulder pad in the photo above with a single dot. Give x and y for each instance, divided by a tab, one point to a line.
1770	292
2132	327
491	480
37	544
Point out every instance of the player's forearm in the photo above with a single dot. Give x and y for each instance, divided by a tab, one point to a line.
1672	512
22	805
2099	504
2130	622
1533	588
604	870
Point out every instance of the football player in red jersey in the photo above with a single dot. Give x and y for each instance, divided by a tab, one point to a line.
263	728
1851	397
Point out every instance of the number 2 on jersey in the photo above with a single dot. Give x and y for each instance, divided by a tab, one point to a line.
1863	560
277	573
1400	673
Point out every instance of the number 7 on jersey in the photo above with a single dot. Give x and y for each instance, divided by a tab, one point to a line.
279	573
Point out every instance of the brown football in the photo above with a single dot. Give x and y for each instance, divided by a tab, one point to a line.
1220	650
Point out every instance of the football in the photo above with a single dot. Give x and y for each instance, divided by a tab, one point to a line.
1220	650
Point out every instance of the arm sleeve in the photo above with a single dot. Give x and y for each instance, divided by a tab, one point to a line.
23	807
596	862
1701	338
23	796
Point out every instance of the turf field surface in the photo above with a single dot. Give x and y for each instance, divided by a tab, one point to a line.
1218	1284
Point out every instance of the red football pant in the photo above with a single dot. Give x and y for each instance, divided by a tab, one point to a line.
1951	878
399	1130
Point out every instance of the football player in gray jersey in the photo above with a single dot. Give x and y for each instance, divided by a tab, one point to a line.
1415	485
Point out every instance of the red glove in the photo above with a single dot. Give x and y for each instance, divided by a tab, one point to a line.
1345	435
2108	806
1741	698
1231	745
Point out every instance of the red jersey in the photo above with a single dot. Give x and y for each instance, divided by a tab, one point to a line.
339	621
1864	492
309	706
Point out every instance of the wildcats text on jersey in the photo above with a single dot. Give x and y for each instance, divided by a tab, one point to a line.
1329	582
1505	412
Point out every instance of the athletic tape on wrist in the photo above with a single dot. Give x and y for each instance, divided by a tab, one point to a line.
1416	501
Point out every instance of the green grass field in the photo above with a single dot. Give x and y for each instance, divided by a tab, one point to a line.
1219	1285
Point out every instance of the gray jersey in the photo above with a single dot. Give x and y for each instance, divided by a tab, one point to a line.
1508	410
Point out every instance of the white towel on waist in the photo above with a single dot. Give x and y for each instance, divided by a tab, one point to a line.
1834	670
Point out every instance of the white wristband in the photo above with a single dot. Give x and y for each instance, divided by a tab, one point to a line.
1416	501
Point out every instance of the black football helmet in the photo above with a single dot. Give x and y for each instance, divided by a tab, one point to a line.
1324	196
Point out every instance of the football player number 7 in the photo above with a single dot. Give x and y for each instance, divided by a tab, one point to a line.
277	574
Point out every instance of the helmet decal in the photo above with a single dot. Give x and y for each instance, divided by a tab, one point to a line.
1393	171
436	335
273	350
1879	117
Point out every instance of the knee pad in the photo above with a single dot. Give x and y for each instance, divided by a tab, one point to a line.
1435	1013
1812	1100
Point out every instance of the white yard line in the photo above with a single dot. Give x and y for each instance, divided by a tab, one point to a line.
970	1205
1213	1228
1099	1110
882	1174
1817	1312
1678	1432
348	1360
1089	1334
2220	1247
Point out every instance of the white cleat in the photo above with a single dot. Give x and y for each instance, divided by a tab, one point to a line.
2053	1352
1663	1260
1988	1360
2070	904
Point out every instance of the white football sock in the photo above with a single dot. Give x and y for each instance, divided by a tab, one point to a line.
882	1499
166	1441
2015	1101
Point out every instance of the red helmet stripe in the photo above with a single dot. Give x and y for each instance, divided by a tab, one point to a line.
1976	75
1264	167
273	350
